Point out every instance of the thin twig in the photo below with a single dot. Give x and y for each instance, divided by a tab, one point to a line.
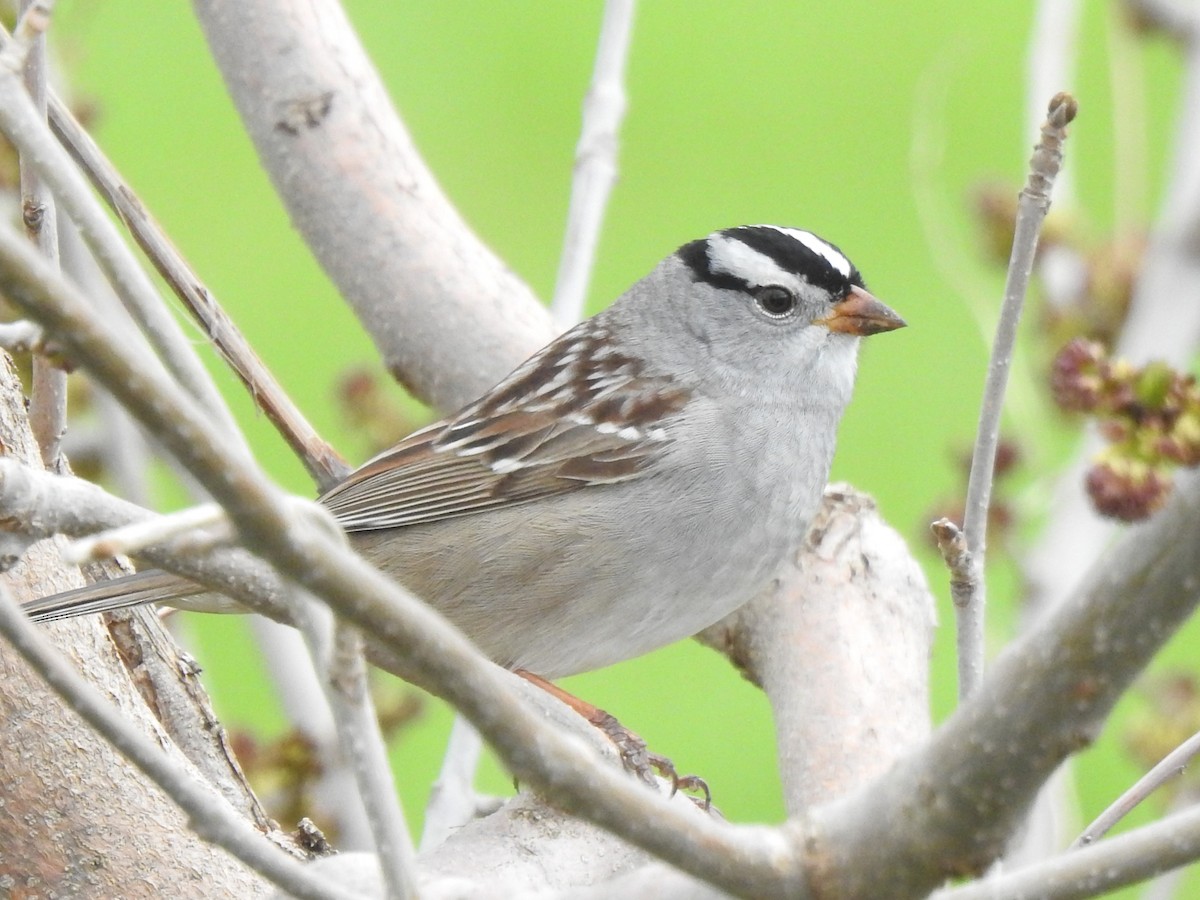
358	728
109	436
211	817
1033	204
19	120
297	686
48	388
336	650
129	539
324	463
1166	885
1096	869
1170	766
595	162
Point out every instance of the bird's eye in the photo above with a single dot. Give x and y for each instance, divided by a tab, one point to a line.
775	301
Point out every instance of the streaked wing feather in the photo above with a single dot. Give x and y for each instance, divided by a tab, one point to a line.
573	416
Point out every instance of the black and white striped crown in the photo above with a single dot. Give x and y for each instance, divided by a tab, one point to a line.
753	256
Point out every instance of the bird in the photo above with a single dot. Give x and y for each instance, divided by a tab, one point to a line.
633	482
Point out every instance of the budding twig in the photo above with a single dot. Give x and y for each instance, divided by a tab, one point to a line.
1033	204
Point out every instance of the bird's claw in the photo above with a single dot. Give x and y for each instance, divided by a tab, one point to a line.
666	769
637	758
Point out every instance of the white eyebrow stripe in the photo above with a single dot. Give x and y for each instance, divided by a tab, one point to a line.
732	257
819	247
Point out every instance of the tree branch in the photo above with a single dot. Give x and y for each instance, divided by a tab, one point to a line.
323	463
449	319
949	808
48	393
1098	868
211	817
19	120
1032	206
336	650
1170	766
595	162
840	644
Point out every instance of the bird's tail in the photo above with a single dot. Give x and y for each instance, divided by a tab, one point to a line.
150	586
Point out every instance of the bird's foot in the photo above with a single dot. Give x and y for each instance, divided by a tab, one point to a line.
635	755
637	758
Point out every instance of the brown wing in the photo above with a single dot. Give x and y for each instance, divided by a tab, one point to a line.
576	414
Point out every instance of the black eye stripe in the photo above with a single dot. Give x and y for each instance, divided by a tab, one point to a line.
695	256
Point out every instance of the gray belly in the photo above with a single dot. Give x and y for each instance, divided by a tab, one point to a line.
561	586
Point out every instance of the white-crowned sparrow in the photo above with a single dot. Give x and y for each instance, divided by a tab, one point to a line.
634	481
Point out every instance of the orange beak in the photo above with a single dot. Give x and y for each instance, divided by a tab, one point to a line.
860	313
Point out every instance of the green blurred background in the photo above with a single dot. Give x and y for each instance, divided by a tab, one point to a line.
868	123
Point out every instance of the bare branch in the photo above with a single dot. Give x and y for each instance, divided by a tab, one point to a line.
211	817
336	650
21	336
449	319
1032	206
48	393
323	463
1170	766
293	675
1098	868
452	798
30	28
595	162
19	120
128	539
1045	697
1051	68
850	616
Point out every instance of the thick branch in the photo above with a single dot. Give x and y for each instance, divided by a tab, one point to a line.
210	816
840	644
52	768
447	316
949	809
